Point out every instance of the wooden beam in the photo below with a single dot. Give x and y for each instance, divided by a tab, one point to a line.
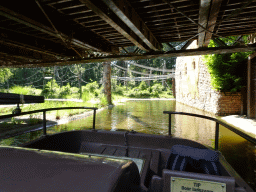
117	25
178	53
35	43
40	27
28	48
215	8
204	10
124	10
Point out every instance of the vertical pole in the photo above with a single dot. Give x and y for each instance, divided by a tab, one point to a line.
164	68
44	123
80	86
251	86
217	136
170	124
126	76
94	117
150	75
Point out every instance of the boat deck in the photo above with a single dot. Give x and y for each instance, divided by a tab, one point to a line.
152	150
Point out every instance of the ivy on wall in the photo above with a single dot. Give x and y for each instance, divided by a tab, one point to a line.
228	71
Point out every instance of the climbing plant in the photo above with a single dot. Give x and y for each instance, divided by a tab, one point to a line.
228	71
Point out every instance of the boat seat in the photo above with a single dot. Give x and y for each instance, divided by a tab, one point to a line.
190	159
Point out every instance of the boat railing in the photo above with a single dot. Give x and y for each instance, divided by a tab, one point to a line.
218	123
44	115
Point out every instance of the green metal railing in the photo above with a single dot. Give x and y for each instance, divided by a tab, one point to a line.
218	123
50	109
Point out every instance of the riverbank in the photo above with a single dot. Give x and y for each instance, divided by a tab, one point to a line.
242	123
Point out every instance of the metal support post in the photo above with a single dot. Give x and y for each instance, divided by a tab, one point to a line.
94	117
170	124
217	136
44	123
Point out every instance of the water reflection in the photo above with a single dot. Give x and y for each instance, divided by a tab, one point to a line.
193	128
147	117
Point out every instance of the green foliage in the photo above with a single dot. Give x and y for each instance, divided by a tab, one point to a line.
227	70
142	91
103	100
157	88
119	90
65	91
34	121
87	96
51	89
143	85
5	74
16	122
91	87
27	90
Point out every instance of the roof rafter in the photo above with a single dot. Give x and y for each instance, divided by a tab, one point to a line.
130	17
121	28
40	27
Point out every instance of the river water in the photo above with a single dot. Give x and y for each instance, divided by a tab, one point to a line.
147	116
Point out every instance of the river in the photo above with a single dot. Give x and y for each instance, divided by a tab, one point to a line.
147	116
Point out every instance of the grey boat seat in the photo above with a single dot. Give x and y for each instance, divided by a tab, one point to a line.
190	159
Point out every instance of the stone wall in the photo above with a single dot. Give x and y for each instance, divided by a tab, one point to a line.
193	88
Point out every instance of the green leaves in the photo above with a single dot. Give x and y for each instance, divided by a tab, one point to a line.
227	70
5	74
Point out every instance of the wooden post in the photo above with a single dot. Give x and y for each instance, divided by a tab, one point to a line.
107	81
150	75
164	68
126	75
251	86
173	88
244	101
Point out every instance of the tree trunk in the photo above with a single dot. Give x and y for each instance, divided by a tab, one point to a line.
107	81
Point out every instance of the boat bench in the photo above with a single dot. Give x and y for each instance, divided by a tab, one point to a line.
152	158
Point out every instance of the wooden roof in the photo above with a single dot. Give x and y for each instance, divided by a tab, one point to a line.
59	32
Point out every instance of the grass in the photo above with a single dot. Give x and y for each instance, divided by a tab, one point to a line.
51	104
20	123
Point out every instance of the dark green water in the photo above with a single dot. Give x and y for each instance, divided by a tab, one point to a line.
147	116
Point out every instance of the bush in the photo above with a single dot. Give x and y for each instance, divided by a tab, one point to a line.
119	90
143	85
91	87
227	70
65	91
51	89
27	90
157	88
87	96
